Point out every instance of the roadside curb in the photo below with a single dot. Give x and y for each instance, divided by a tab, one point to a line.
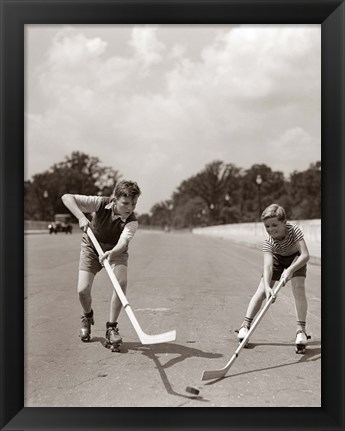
31	232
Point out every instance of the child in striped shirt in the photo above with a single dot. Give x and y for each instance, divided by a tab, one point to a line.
285	256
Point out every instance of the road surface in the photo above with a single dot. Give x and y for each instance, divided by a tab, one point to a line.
197	285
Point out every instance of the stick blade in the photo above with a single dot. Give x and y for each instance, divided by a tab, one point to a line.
165	337
215	374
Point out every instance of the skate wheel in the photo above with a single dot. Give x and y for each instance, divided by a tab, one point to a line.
116	347
300	349
246	345
112	347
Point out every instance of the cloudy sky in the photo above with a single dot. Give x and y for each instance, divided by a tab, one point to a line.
157	103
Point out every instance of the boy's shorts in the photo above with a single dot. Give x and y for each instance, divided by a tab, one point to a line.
89	259
282	262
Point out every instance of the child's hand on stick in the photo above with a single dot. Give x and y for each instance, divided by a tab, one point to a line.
84	223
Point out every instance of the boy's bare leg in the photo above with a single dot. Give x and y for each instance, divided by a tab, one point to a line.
256	301
253	308
301	303
301	306
112	334
85	280
120	272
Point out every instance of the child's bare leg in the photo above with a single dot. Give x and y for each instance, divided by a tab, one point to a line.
85	280
120	272
253	307
256	301
301	303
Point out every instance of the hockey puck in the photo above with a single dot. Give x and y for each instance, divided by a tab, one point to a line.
192	390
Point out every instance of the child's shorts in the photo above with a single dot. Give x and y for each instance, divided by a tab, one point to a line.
282	262
89	259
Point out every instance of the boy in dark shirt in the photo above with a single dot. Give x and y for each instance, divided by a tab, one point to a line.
114	225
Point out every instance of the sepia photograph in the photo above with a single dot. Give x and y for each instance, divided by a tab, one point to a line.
193	153
174	215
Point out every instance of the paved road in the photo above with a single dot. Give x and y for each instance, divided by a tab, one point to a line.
197	285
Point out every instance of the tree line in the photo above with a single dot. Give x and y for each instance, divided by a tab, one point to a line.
79	173
220	193
224	193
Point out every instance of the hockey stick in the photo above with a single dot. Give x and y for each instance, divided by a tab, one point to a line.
217	374
144	338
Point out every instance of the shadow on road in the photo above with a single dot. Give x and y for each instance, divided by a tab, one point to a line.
184	352
311	354
251	345
154	350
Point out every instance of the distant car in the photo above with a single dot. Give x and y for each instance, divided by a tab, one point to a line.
52	228
61	224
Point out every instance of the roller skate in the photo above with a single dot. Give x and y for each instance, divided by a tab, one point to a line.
301	341
85	330
112	337
241	333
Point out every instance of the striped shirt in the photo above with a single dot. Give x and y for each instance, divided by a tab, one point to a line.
286	246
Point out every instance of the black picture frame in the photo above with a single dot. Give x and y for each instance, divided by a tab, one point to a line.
14	15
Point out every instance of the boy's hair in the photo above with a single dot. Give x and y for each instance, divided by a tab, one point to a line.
274	210
127	189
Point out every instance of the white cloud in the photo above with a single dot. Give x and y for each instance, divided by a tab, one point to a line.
253	62
148	49
178	51
291	144
252	96
70	48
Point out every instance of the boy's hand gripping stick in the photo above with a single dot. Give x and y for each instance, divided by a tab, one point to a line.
144	338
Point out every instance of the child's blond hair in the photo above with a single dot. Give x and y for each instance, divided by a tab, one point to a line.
274	210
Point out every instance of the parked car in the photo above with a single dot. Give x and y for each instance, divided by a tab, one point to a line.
61	223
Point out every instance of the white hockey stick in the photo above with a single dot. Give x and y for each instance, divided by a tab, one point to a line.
144	338
217	374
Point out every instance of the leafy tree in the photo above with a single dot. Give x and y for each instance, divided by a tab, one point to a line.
213	185
220	193
144	219
256	195
191	214
305	193
77	174
162	214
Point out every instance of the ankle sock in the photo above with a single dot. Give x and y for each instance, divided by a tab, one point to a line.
301	325
247	322
111	325
88	315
